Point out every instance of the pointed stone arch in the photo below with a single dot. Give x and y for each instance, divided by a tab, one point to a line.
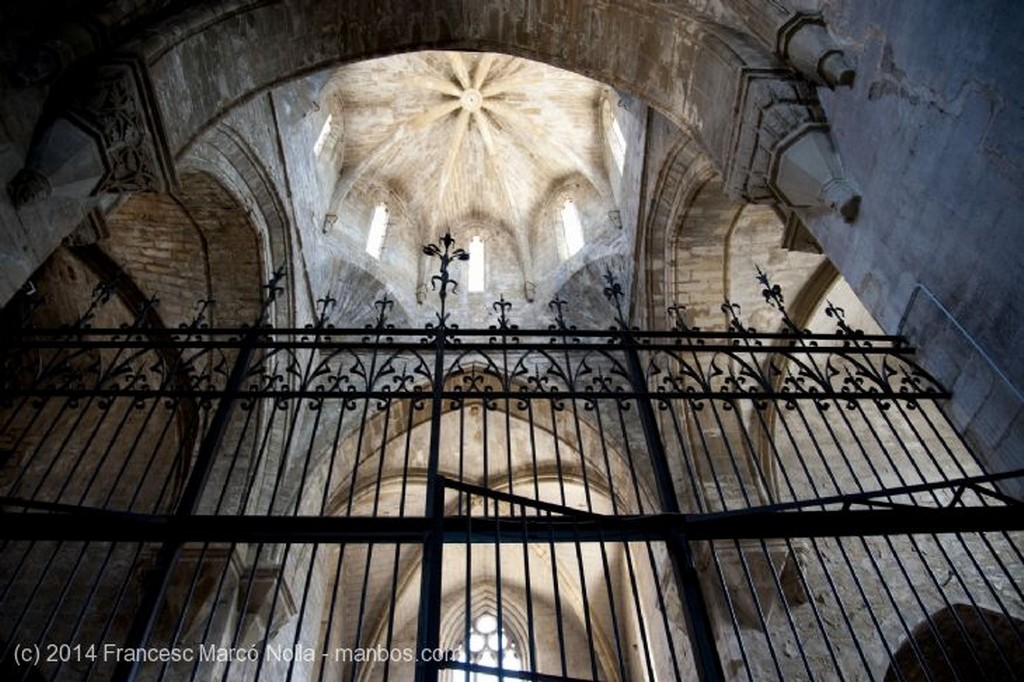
226	158
681	176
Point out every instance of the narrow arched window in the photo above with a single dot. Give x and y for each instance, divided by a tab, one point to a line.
488	646
476	264
572	228
321	139
617	142
378	229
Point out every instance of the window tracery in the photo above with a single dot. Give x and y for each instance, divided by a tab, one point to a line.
488	644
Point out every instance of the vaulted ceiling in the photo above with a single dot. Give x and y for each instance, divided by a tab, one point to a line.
466	136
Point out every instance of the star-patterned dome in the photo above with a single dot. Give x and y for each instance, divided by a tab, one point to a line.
466	135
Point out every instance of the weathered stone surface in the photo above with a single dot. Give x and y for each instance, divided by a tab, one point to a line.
930	130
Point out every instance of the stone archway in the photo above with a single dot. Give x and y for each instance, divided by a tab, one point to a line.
125	128
958	642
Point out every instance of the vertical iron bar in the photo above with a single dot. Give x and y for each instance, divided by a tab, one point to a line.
468	498
650	554
907	419
766	424
606	568
531	635
468	615
625	545
381	453
700	504
83	550
556	590
219	507
216	601
315	405
187	604
160	577
768	485
896	606
361	617
429	624
331	610
975	654
698	619
244	604
392	597
571	379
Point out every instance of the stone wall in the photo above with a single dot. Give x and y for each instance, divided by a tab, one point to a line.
931	131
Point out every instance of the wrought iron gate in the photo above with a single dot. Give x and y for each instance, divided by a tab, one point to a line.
504	503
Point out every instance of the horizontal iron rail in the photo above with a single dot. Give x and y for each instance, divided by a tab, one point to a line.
506	673
870	497
423	394
325	333
463	347
515	500
125	527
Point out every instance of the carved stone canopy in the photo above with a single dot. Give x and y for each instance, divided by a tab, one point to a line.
108	140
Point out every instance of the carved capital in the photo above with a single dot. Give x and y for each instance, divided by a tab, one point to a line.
119	111
771	104
108	139
781	148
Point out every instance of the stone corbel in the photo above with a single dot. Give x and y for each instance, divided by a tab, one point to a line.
801	39
64	161
781	148
108	140
805	43
530	291
806	172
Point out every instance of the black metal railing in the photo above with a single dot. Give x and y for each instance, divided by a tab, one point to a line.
267	503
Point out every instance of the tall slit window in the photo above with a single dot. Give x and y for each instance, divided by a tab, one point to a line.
617	142
572	228
488	645
321	139
476	264
378	229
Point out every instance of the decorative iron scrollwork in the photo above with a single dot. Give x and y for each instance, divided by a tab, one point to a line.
440	282
379	361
